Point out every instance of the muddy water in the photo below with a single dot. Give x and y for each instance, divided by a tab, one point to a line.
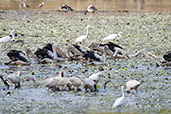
150	31
102	5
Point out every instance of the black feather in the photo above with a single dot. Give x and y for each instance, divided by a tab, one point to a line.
14	55
167	56
91	55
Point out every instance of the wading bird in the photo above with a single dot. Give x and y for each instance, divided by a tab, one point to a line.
50	53
113	36
96	77
15	79
41	5
19	58
65	8
132	84
90	9
117	51
8	38
121	100
83	37
52	82
82	54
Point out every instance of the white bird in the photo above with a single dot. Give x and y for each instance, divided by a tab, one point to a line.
132	84
15	79
25	5
41	5
96	77
83	37
90	9
121	100
89	85
8	38
76	82
113	36
52	82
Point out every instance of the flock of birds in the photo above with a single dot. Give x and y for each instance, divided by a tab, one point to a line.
97	53
63	8
51	53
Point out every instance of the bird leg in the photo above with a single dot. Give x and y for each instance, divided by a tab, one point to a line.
5	82
17	85
95	87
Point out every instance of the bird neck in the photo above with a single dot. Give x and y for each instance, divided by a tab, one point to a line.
54	51
119	35
12	36
86	32
104	55
27	55
123	95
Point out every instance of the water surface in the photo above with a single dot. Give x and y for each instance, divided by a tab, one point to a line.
104	5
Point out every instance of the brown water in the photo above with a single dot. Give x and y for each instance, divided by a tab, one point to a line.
102	5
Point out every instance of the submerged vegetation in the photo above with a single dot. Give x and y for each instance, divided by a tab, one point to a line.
149	31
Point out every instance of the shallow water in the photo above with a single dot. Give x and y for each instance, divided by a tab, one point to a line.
150	31
102	5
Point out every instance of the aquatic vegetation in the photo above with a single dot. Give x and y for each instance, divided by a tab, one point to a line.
150	31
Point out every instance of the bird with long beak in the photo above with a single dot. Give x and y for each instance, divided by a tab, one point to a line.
8	38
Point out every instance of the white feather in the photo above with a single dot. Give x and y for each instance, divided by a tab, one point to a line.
98	56
5	39
132	84
24	56
121	100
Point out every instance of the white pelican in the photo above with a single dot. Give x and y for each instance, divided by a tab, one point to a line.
121	100
4	81
132	84
15	79
82	54
116	51
41	5
90	9
65	8
50	53
18	57
8	38
83	37
113	36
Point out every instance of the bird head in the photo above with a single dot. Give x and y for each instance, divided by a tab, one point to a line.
88	27
120	33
